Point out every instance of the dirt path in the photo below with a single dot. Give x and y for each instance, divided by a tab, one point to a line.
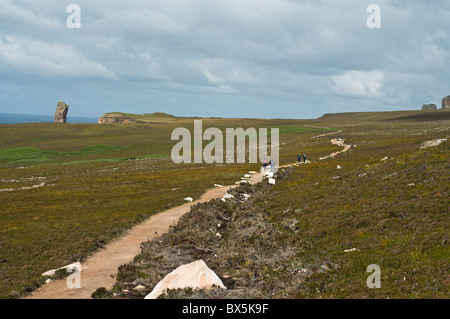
99	269
338	142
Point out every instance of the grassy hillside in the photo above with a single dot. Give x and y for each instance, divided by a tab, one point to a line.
315	232
290	240
94	182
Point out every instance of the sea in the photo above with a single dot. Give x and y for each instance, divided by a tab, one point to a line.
7	118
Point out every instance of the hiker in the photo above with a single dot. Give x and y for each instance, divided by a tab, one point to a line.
271	164
304	158
299	158
265	165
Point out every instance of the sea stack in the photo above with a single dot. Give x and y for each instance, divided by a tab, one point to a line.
446	102
61	112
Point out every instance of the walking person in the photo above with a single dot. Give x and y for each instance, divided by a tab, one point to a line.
265	165
304	158
299	158
271	164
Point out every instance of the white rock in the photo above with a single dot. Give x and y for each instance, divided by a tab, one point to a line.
218	235
139	287
338	167
432	143
384	159
227	196
411	184
272	181
48	281
351	250
252	172
189	199
217	185
193	275
69	267
268	174
247	175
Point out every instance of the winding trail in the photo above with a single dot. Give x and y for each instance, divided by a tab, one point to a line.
99	269
338	142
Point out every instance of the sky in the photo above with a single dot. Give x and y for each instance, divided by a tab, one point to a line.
224	58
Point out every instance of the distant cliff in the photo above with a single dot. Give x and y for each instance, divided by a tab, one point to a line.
129	118
446	102
427	107
115	118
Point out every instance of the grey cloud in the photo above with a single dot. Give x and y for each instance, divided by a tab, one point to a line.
230	57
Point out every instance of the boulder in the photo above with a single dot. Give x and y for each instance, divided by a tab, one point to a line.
446	102
61	112
195	275
272	181
427	107
189	199
228	196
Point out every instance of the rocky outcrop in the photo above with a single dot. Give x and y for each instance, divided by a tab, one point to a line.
115	118
193	275
61	112
427	107
432	143
446	102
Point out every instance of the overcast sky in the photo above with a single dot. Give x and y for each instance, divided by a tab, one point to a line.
228	58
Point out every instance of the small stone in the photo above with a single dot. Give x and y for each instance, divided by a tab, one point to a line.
140	287
189	199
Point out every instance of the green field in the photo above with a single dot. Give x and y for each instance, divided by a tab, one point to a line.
102	179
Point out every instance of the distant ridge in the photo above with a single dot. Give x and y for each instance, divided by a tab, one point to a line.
417	115
159	114
130	118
